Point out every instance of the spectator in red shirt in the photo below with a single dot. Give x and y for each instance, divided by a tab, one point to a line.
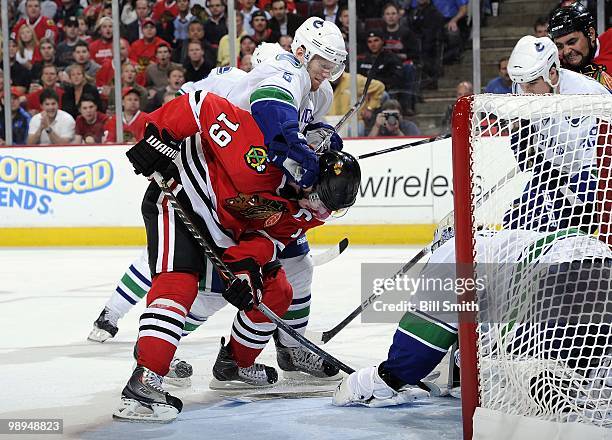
162	6
90	123
105	76
27	46
83	29
133	119
48	80
102	49
43	27
142	51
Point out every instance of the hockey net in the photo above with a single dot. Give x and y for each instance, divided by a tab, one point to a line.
533	196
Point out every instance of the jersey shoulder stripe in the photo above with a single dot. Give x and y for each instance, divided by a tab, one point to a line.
272	93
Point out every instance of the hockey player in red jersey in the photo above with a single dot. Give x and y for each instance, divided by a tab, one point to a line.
245	207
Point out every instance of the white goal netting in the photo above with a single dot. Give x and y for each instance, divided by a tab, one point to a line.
541	197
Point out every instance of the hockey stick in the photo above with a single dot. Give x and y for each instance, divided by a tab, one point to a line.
404	146
331	253
355	107
226	272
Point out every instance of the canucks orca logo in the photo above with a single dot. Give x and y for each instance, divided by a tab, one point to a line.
318	24
256	158
539	47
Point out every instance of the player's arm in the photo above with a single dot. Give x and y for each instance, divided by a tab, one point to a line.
165	129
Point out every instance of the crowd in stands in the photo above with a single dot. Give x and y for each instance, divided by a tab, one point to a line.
62	69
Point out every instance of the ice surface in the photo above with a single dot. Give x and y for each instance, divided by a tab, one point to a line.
50	297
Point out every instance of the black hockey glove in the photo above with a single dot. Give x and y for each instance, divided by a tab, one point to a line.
154	152
248	286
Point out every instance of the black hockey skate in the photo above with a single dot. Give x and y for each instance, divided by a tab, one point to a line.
144	400
105	327
228	375
299	363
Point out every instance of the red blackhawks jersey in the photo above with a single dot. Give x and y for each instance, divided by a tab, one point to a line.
43	27
229	182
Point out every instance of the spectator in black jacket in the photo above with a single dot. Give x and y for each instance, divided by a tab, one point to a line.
78	87
428	24
215	27
283	23
20	75
197	66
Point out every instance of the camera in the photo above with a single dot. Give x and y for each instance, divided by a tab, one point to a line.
391	117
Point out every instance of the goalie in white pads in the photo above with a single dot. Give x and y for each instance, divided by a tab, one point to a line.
421	342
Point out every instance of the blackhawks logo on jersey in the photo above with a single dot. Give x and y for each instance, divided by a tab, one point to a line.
256	158
256	207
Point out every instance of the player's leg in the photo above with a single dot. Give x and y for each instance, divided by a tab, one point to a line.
132	287
292	357
235	366
419	345
176	261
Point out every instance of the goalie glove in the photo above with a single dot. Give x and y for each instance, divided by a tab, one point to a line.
247	289
317	133
154	152
291	153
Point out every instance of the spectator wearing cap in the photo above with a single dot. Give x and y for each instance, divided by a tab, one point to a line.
390	71
215	27
142	51
162	6
176	78
64	53
77	87
82	57
134	120
43	27
223	54
89	125
261	31
101	48
20	119
197	66
428	25
247	8
51	125
48	80
47	56
281	22
20	75
501	84
182	19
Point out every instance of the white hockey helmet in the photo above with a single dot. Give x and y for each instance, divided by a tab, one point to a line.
532	58
323	38
267	51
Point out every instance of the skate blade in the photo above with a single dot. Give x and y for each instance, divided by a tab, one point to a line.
300	376
131	410
179	382
99	335
235	385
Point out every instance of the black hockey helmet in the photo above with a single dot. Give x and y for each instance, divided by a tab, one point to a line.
574	18
339	178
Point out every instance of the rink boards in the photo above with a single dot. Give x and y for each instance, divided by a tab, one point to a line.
89	195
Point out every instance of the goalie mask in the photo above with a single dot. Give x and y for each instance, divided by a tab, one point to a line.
533	58
323	38
339	178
